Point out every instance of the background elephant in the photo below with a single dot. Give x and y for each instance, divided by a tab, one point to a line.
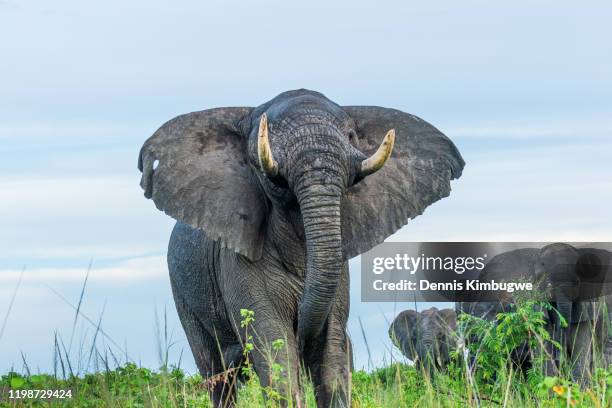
575	281
271	202
425	337
510	266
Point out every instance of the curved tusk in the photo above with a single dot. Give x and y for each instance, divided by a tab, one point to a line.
375	162
264	152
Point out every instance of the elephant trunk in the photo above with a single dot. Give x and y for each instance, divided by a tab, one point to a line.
427	353
427	346
564	307
320	207
427	339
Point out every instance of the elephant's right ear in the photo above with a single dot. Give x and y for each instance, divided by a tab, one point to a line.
403	332
405	322
195	168
449	318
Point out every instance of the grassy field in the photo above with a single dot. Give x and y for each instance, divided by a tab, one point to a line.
480	375
395	386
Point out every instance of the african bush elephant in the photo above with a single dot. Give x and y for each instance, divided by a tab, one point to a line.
509	266
425	337
271	202
573	282
576	283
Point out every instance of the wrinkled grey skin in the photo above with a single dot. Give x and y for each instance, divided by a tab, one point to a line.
558	270
559	273
279	245
425	337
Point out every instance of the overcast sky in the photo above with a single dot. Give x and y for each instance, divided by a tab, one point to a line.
524	89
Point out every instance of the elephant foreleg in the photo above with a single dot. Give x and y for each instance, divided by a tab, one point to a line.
580	346
273	353
330	367
548	353
219	376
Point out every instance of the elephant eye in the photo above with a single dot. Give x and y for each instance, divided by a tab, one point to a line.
352	135
279	182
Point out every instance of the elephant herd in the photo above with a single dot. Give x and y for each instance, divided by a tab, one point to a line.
574	282
271	202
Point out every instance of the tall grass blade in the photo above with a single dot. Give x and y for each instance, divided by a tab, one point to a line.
67	356
95	337
78	308
55	354
12	301
365	340
58	353
25	364
115	359
90	321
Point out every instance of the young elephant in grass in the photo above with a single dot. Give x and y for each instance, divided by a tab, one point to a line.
426	337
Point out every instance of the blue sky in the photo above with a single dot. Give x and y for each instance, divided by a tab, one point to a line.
523	88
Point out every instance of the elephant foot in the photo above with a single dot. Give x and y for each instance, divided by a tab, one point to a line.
581	375
334	397
223	395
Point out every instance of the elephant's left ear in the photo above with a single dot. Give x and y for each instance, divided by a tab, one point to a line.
195	168
417	174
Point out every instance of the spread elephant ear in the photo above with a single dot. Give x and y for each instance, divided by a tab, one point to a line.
594	267
195	168
403	332
417	174
449	317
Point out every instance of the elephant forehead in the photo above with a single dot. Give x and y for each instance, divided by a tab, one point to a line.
302	108
559	252
430	313
561	274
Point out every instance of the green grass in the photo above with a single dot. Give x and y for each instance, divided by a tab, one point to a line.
487	380
397	385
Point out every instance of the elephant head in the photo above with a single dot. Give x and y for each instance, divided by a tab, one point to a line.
555	270
351	176
425	337
572	275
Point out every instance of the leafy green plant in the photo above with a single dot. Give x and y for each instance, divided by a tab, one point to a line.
490	380
491	343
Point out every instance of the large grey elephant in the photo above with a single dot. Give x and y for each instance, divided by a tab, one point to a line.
576	281
425	337
271	202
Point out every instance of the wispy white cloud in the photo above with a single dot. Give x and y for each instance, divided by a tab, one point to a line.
104	250
84	131
72	217
33	198
135	269
600	128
